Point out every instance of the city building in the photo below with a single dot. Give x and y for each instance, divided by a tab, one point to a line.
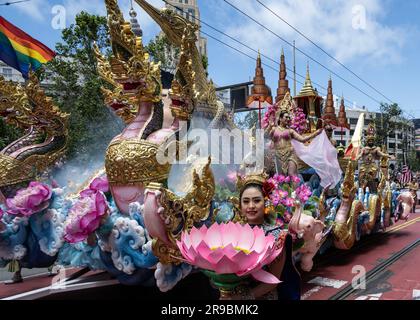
10	74
189	10
417	134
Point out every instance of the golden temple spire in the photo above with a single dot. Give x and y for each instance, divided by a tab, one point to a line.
342	117
283	84
307	89
329	111
259	87
259	91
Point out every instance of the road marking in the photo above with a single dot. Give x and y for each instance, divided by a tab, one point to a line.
416	294
307	294
326	282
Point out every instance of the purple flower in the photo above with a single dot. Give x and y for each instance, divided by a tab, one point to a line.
30	200
85	217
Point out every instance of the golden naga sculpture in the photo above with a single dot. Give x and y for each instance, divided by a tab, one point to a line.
136	94
345	224
45	138
167	215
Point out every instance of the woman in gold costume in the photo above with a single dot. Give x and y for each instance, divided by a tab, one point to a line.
281	134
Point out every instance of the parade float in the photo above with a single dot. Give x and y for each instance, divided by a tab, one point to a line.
152	223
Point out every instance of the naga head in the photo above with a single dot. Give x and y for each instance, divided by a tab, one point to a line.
132	78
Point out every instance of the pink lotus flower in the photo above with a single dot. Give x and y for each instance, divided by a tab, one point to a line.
230	248
30	200
85	217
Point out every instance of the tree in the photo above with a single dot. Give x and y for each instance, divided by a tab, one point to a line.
161	50
249	121
8	133
76	87
385	124
413	161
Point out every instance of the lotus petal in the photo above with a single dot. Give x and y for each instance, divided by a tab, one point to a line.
264	276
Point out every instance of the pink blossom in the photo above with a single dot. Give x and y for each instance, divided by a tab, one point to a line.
295	179
232	176
231	249
279	178
85	217
288	202
98	184
30	200
303	193
287	179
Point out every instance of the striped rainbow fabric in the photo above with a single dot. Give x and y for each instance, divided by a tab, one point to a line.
21	51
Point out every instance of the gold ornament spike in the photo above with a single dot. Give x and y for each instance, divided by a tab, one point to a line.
182	33
182	213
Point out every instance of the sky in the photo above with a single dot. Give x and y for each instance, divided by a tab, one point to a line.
379	40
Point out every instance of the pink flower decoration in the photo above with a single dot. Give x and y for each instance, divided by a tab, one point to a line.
98	184
295	179
287	179
230	248
279	178
30	200
232	176
288	202
303	193
85	217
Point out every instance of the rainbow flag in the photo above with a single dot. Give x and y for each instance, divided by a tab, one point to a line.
21	51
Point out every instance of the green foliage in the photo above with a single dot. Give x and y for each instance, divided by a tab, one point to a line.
161	50
76	87
386	122
8	133
413	161
249	121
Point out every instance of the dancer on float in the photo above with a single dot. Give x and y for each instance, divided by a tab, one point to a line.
289	146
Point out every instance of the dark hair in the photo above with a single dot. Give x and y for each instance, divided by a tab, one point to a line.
248	186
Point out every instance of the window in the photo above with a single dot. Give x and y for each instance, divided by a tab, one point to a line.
191	12
391	145
353	121
351	132
7	72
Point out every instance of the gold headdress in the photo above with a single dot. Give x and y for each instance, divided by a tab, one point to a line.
286	105
253	178
370	132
